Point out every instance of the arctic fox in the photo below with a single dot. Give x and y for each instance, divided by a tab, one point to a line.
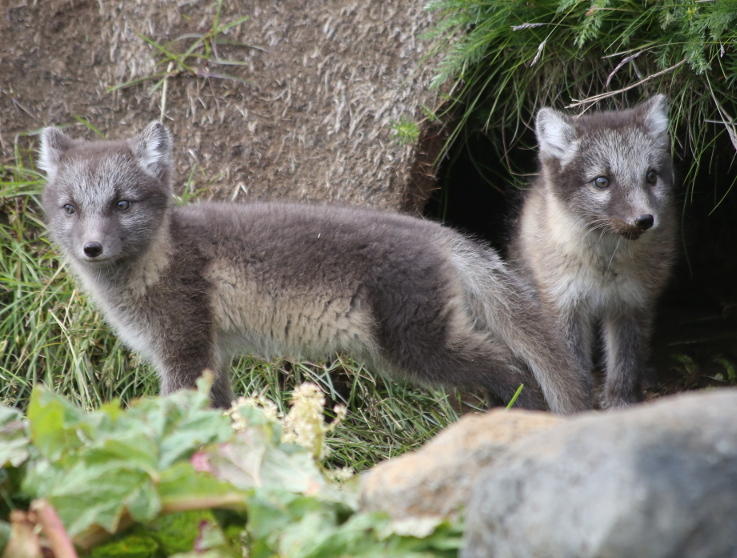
597	234
189	287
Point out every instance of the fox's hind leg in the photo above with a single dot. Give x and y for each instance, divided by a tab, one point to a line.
466	358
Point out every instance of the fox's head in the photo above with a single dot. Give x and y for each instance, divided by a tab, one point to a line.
609	171
105	200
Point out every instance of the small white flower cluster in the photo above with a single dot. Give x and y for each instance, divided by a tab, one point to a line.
267	406
339	476
304	424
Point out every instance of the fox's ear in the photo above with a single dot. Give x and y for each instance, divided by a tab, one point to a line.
53	143
555	134
654	113
152	150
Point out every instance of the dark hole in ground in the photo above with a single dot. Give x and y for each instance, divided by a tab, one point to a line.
695	338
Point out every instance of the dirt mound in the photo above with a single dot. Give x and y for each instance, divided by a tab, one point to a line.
307	117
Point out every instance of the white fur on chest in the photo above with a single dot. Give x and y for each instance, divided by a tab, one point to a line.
599	296
122	306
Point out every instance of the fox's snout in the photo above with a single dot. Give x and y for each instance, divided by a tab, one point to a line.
644	222
634	229
92	249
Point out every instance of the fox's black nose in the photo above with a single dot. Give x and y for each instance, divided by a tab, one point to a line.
644	222
93	249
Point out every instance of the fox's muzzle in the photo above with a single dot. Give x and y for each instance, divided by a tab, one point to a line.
92	249
644	222
634	229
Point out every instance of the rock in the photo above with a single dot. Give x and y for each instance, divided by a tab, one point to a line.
435	480
658	479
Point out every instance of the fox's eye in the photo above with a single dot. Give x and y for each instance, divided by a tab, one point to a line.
651	177
601	182
122	205
69	209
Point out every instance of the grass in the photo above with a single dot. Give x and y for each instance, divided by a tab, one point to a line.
502	61
199	52
50	333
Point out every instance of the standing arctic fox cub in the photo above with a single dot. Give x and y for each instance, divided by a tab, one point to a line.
597	234
188	287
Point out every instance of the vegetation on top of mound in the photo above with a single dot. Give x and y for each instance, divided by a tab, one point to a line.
507	59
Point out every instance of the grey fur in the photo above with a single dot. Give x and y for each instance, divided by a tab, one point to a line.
189	287
589	257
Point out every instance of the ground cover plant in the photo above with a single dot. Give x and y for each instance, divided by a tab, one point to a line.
173	477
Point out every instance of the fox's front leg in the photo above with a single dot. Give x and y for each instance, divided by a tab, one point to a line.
182	364
626	341
578	332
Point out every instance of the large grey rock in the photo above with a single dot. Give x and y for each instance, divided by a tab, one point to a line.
655	480
435	481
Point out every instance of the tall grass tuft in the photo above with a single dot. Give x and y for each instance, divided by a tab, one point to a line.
502	60
50	333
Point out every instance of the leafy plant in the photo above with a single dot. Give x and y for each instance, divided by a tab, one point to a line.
170	476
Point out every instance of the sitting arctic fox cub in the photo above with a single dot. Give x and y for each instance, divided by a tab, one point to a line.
597	234
189	287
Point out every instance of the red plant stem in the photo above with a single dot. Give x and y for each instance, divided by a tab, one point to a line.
54	530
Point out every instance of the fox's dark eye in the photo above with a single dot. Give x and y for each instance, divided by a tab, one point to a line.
123	205
69	209
651	177
601	182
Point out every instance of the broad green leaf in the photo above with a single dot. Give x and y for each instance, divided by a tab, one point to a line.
198	428
9	415
181	488
271	511
252	459
56	425
14	440
128	446
100	493
179	424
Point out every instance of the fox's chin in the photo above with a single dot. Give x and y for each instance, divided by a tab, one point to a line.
97	262
626	230
630	234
